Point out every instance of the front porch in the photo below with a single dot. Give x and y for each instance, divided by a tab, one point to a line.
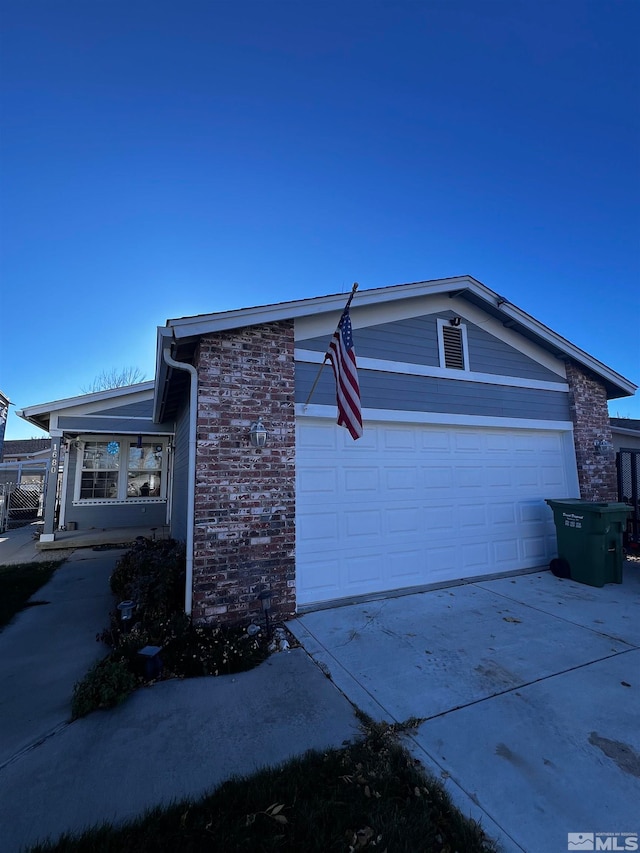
125	536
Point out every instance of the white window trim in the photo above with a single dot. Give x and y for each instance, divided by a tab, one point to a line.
465	344
122	499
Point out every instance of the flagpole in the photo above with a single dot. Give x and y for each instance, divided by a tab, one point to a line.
317	379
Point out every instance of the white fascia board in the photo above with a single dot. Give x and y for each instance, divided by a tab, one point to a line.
412	369
88	403
622	431
572	351
392	416
207	323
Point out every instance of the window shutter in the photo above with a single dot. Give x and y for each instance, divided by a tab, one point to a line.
453	352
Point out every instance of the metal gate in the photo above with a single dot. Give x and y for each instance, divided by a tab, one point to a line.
628	462
20	505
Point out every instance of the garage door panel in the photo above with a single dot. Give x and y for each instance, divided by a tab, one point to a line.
321	579
502	512
439	517
505	553
361	479
472	516
318	481
399	439
318	528
418	505
441	562
364	572
437	478
403	520
435	441
406	566
470	477
363	523
475	558
401	479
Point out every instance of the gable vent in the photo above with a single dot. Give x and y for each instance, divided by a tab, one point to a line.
453	350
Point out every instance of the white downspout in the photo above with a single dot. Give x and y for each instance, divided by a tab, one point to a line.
191	478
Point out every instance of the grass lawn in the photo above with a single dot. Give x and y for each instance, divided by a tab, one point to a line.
368	796
18	583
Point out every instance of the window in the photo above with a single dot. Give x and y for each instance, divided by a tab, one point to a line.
452	344
100	469
144	471
121	470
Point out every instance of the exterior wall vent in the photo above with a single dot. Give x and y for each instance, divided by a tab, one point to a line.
452	345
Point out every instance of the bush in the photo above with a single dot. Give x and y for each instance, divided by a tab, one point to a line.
153	575
106	684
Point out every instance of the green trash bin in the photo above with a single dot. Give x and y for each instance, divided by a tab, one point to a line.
589	536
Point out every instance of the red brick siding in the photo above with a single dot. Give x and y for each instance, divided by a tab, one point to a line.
590	416
244	537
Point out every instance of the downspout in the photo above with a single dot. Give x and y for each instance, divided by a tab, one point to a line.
191	477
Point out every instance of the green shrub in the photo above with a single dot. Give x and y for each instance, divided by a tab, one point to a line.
106	684
152	574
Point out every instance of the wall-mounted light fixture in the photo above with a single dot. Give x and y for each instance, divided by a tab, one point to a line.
258	434
602	447
455	321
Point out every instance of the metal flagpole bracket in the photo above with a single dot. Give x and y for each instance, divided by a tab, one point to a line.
326	355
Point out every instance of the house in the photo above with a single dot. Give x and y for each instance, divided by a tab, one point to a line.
112	460
26	449
4	411
625	434
25	461
474	413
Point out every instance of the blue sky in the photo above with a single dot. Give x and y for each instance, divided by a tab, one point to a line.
164	159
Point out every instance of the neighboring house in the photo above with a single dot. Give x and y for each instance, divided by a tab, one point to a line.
626	444
4	411
25	461
115	468
625	433
474	413
26	449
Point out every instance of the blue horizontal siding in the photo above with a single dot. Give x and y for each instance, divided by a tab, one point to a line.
403	392
140	409
415	341
112	425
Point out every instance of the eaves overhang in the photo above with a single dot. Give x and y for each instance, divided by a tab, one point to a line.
40	415
189	329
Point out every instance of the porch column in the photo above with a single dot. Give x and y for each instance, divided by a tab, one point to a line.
48	534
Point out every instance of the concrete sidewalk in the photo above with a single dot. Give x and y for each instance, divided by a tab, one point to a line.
21	546
173	740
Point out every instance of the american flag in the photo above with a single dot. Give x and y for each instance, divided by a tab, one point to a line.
343	360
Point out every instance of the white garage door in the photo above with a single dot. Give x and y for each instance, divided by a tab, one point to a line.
409	505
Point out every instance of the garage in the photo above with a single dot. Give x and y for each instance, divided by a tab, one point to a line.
409	505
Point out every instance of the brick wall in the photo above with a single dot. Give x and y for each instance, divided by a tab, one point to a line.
244	537
590	416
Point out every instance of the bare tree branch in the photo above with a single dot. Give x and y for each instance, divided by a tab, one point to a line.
114	378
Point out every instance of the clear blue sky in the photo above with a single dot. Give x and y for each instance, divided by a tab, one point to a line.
162	159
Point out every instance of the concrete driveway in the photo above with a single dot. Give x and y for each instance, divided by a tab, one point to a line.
528	693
